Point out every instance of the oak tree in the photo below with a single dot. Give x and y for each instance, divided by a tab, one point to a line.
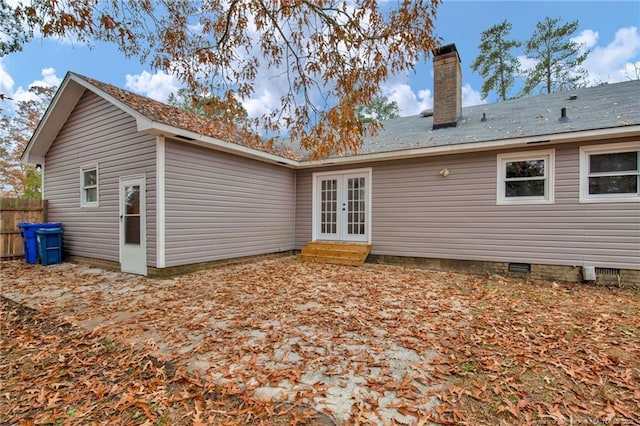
329	55
204	105
558	58
16	127
495	62
12	31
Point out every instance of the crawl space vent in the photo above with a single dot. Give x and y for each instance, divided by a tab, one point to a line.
520	268
607	272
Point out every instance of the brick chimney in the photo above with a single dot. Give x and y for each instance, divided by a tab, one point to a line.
447	87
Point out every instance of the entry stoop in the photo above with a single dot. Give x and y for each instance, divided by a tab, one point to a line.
335	252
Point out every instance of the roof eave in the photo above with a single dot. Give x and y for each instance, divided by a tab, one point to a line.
162	129
554	138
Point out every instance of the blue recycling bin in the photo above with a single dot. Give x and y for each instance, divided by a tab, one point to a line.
49	241
28	232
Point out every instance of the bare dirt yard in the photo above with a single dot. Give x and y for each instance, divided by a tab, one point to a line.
284	342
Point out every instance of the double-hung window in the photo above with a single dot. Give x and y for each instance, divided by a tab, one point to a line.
89	186
610	173
525	177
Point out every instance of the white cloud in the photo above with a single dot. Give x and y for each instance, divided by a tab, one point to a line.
6	81
471	97
157	86
607	63
409	103
261	104
587	38
49	78
412	103
526	64
632	71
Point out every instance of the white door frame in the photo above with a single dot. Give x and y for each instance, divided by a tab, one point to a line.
316	207
133	257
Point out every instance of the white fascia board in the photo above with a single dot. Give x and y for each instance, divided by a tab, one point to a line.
28	158
530	141
166	130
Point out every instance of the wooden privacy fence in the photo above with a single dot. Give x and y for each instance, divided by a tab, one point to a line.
12	212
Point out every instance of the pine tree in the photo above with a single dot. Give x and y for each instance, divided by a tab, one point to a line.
380	108
495	63
558	59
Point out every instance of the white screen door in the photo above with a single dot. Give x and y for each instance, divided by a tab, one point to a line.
342	207
133	247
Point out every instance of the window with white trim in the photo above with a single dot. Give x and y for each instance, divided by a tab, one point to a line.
89	186
610	173
526	177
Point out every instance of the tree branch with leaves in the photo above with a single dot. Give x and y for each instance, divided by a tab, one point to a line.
16	128
331	55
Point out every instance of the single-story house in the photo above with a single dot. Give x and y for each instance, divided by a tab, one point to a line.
543	185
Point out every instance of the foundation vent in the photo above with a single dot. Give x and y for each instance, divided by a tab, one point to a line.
607	272
520	268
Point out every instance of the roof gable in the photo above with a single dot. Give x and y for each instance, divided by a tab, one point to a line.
152	117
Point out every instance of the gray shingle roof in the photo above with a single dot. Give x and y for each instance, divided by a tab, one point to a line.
599	107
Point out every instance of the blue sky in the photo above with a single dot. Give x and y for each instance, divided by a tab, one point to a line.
610	29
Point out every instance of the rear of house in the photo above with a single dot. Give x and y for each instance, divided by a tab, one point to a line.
466	218
541	186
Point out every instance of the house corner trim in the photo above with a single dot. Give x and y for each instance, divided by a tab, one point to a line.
160	202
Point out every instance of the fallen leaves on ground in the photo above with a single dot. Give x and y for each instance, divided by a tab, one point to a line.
539	352
54	373
376	344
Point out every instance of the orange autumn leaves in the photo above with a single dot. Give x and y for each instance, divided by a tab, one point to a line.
328	57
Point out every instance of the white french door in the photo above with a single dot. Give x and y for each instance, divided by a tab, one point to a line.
341	206
133	247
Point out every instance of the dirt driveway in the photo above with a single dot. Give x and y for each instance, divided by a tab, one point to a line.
353	343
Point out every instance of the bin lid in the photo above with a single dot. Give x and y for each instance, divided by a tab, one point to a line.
40	225
49	231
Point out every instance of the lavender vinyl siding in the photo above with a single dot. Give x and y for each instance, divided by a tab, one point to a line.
419	213
98	132
220	206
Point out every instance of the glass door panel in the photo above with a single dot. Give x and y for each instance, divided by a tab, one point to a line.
132	215
341	207
329	208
